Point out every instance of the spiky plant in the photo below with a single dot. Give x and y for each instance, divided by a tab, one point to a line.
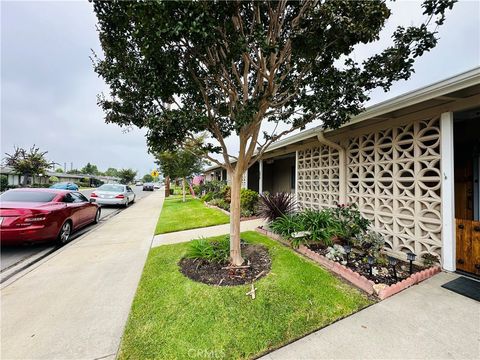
273	206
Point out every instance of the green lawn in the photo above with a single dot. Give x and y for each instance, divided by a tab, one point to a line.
173	317
177	215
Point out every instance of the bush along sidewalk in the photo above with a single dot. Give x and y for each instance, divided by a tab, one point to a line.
216	194
341	240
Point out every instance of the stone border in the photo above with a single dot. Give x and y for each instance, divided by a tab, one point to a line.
353	277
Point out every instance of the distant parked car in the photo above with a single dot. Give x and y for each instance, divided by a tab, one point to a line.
65	186
113	194
34	215
139	183
148	187
156	186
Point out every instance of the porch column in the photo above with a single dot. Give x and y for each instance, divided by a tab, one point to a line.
260	176
296	176
447	192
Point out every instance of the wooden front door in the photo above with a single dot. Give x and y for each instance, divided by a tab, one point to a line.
468	245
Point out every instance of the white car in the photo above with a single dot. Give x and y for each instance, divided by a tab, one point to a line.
113	194
156	185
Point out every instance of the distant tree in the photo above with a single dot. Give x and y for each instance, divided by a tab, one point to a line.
181	163
53	179
230	67
89	169
111	172
27	163
147	178
127	176
59	170
74	172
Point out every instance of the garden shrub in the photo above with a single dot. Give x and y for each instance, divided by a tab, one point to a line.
53	179
286	225
350	222
3	182
273	206
218	251
207	197
220	203
371	243
248	201
322	225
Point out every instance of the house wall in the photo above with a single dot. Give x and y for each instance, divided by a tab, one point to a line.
393	175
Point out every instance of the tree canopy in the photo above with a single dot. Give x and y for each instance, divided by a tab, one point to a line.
90	169
27	162
147	178
126	175
229	65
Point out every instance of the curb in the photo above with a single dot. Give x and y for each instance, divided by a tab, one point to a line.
353	277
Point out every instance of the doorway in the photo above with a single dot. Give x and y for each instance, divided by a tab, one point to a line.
467	190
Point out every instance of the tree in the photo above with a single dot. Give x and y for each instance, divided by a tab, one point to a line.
89	169
27	163
180	68
111	172
3	182
127	176
53	179
180	163
147	178
59	170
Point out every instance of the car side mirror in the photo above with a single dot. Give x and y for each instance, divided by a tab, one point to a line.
91	200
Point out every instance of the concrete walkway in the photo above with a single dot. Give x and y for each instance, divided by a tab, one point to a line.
75	303
422	322
187	235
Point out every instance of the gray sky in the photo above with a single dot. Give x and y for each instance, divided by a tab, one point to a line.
48	86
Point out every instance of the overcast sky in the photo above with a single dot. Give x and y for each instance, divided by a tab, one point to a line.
48	86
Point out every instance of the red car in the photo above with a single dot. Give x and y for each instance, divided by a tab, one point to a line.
33	215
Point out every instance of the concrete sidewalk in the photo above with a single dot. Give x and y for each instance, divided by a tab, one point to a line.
425	321
75	303
187	235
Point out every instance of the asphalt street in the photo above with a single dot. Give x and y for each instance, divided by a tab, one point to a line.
14	255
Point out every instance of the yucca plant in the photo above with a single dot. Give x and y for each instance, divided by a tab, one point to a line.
273	206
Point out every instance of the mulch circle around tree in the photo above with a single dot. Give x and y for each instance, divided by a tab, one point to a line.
214	273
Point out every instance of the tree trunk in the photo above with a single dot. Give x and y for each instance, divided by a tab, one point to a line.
235	187
25	180
167	186
183	189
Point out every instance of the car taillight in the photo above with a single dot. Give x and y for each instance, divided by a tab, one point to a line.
120	196
93	195
35	219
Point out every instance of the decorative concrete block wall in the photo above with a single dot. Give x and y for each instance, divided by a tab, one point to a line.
393	175
317	183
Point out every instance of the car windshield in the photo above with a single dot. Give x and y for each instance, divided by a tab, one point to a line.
111	187
27	196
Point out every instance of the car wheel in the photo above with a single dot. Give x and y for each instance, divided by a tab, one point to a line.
97	216
133	200
65	232
126	203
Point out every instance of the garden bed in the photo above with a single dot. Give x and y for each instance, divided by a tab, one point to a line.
219	273
355	274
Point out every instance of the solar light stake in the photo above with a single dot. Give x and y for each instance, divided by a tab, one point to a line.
348	250
392	262
411	257
370	263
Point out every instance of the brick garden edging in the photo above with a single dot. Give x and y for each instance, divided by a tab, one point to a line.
351	276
